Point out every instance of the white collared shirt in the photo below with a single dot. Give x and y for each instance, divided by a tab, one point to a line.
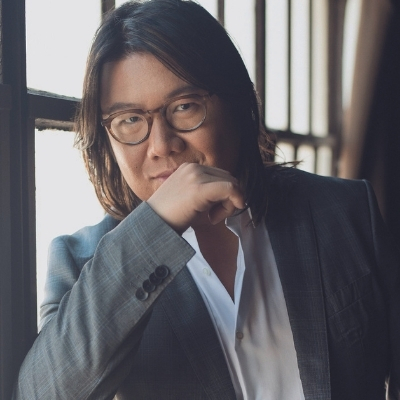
254	330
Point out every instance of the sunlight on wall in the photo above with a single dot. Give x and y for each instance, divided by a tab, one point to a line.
239	17
351	28
300	70
65	198
57	47
276	107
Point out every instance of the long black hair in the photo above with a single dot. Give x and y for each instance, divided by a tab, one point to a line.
193	45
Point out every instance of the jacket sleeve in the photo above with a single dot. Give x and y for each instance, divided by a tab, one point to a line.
388	264
93	321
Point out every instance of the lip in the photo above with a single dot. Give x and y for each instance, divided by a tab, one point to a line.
164	174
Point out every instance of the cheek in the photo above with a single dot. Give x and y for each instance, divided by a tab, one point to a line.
223	137
226	147
128	162
132	163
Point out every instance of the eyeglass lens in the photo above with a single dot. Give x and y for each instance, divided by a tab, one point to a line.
182	114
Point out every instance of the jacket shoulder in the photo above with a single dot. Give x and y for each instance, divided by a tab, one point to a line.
316	187
82	244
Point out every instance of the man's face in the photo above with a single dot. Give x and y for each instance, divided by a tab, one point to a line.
140	81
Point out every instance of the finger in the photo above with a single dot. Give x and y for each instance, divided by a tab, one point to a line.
225	198
216	171
207	171
227	192
221	211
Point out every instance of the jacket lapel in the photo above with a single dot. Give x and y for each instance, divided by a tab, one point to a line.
190	319
290	227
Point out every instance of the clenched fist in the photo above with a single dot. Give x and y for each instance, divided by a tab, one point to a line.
195	189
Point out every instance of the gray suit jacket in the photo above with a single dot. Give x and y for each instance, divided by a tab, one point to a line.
341	280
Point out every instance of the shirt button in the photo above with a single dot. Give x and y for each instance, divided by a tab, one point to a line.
206	271
239	335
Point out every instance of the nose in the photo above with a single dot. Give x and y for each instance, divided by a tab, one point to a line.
163	140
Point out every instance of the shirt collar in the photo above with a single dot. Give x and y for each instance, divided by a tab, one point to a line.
237	223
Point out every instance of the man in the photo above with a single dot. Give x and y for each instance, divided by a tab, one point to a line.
228	277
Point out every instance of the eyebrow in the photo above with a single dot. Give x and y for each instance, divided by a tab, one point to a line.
126	106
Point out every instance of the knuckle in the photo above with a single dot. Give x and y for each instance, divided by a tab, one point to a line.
230	186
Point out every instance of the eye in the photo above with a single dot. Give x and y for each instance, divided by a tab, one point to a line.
131	119
184	106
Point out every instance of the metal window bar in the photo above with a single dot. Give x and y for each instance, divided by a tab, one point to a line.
311	71
335	31
336	12
315	148
260	28
106	6
17	227
289	67
221	12
52	111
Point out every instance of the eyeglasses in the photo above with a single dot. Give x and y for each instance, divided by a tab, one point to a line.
183	113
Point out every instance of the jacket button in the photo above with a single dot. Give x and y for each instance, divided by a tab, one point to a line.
161	272
154	280
148	286
141	294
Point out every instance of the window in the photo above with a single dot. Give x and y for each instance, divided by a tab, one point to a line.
288	47
296	82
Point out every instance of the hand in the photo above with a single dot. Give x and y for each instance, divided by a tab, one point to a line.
194	189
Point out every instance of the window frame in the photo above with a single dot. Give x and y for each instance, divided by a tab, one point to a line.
22	110
336	10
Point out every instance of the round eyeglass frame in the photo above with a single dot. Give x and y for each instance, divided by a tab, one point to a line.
147	114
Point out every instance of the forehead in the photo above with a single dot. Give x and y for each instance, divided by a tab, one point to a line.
139	80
